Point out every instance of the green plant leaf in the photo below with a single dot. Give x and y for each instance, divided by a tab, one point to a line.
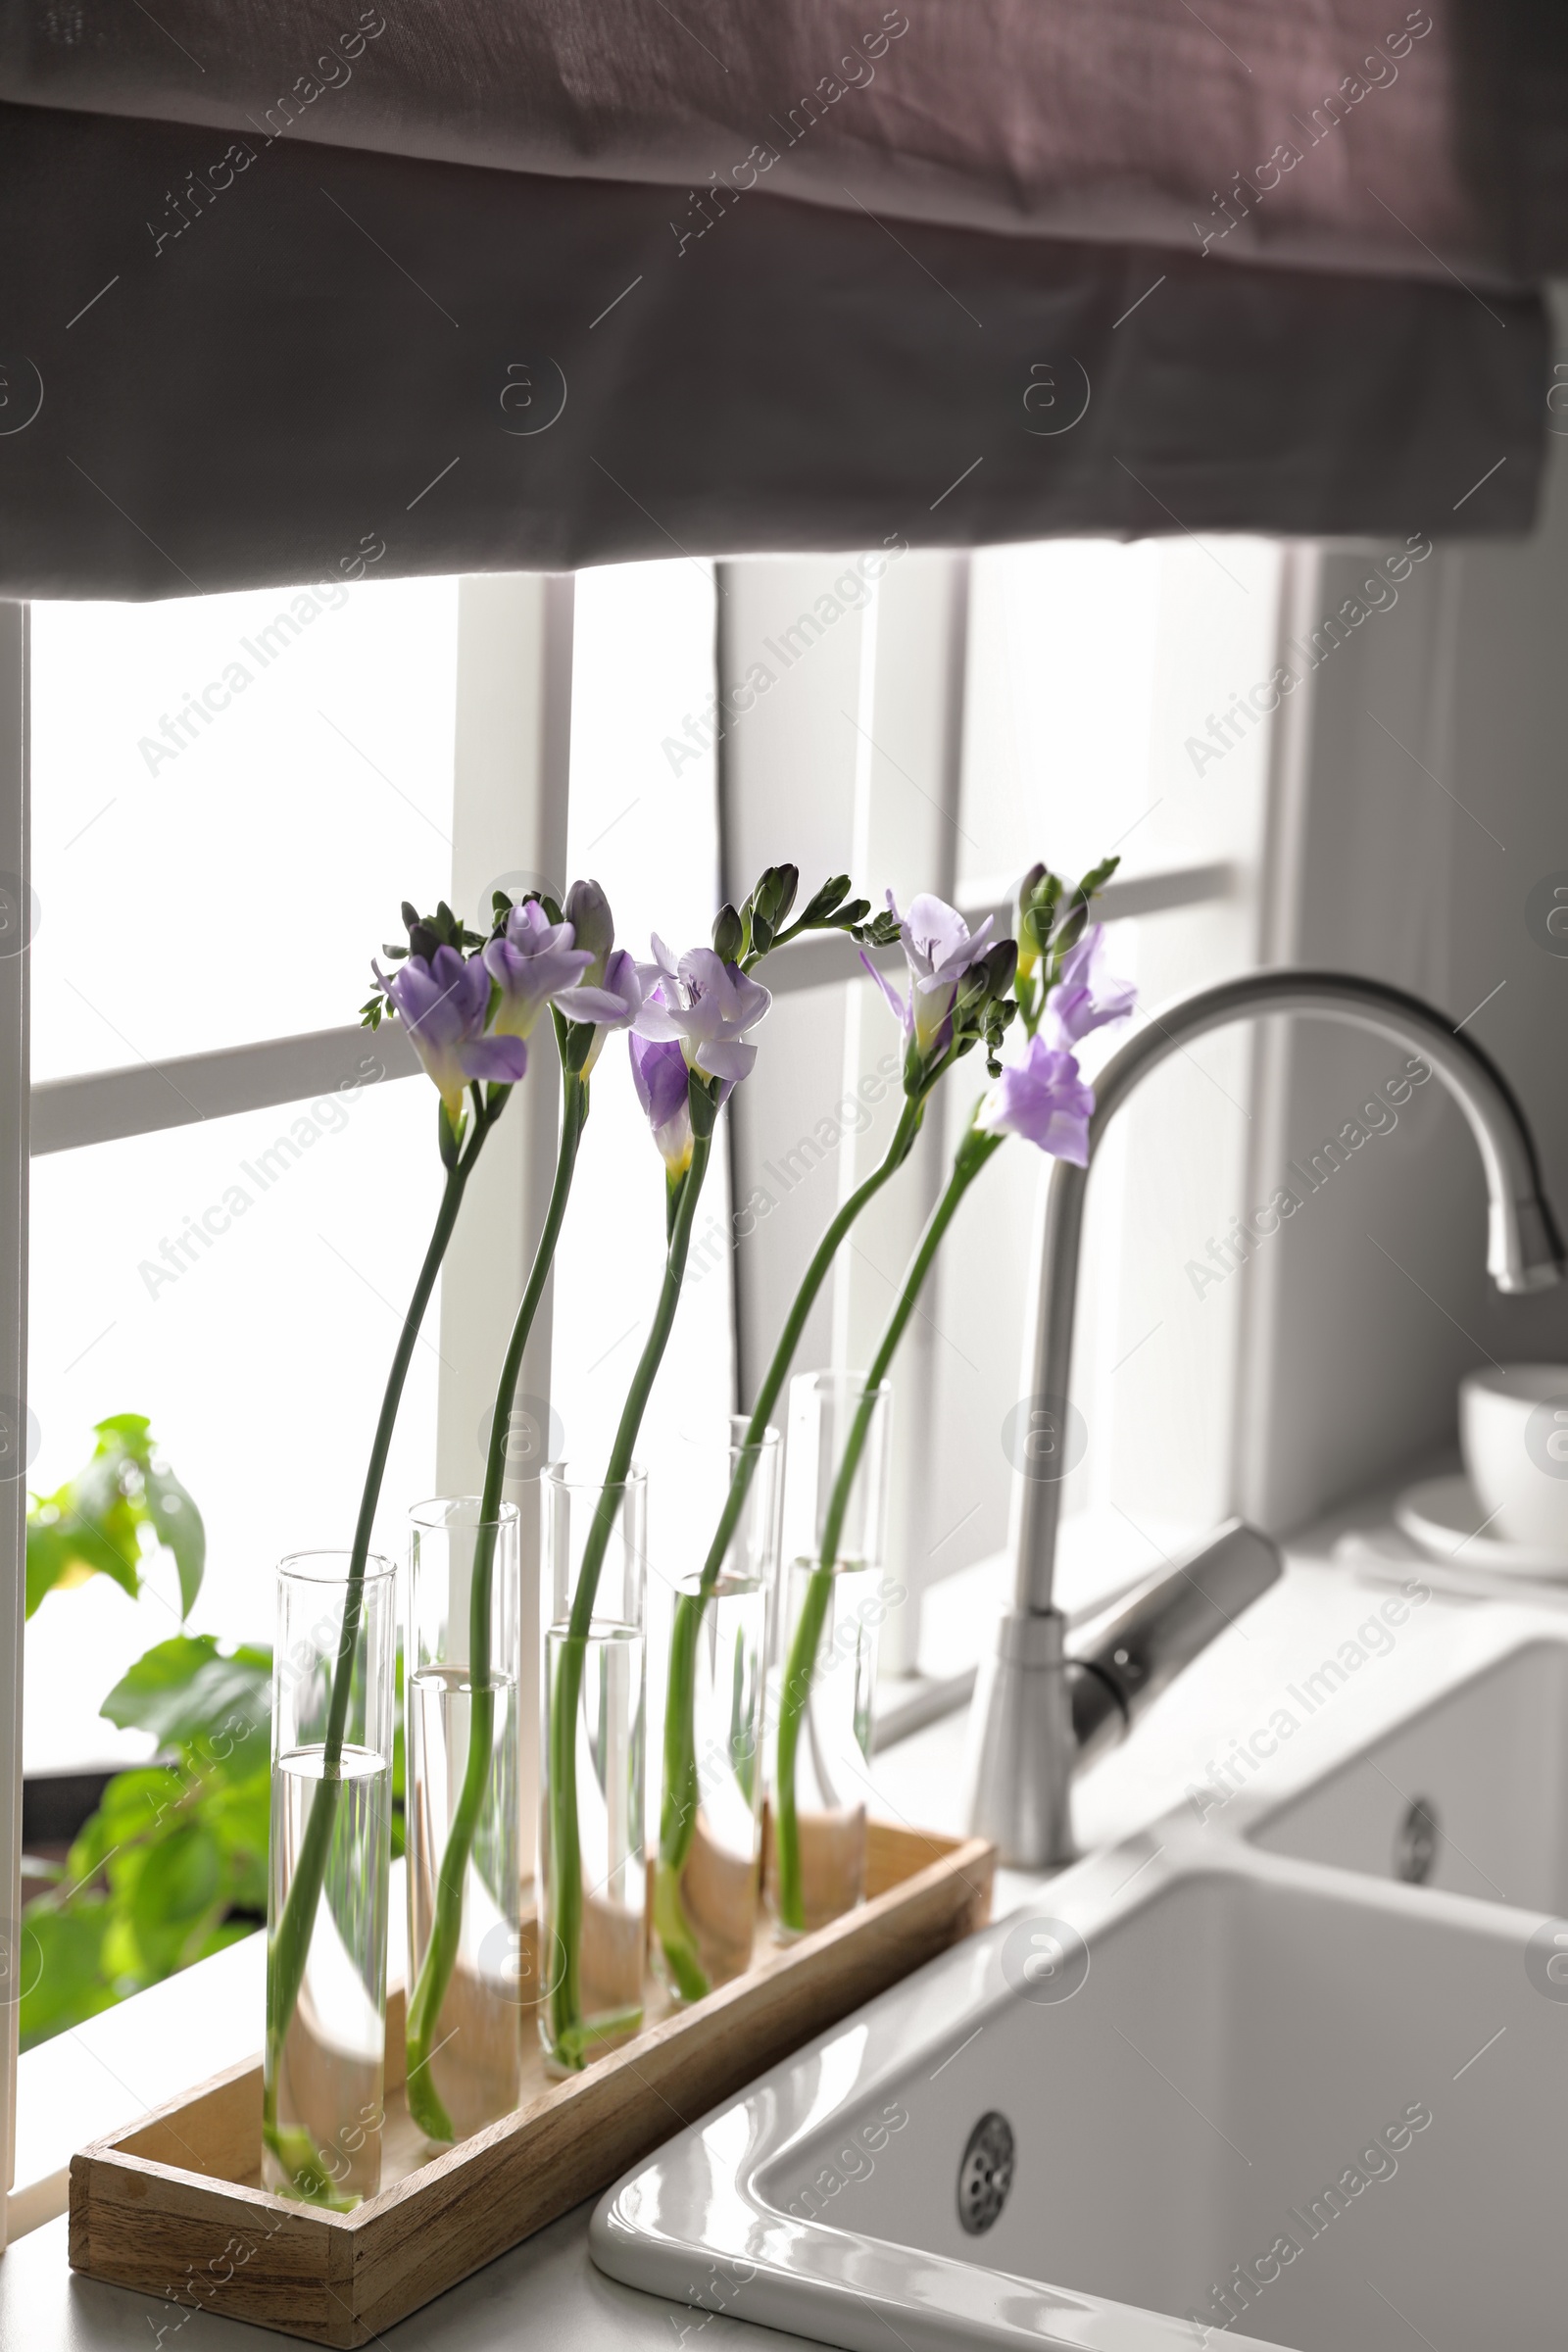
183	1691
128	1433
64	1547
50	1553
239	1815
158	1684
93	1524
177	1884
177	1523
133	1806
62	1975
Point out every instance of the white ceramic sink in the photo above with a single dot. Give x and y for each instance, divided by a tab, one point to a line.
1253	2082
1470	1793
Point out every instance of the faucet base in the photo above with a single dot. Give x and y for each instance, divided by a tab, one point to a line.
1022	1747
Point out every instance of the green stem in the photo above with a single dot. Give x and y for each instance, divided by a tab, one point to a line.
971	1157
572	2036
680	1796
425	2104
291	1940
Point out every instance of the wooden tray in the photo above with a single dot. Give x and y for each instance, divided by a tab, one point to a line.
173	2207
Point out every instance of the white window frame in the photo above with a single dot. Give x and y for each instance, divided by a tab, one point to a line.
511	793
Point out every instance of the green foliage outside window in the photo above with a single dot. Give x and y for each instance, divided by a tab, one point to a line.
173	1866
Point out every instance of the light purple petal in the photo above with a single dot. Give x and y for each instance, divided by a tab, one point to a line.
1045	1099
750	998
968	951
1086	996
663	961
935	933
596	1004
659	1073
655	1022
726	1058
898	1004
500	1061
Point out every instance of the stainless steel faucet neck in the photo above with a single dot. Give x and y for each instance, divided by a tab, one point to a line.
1523	1251
1026	1745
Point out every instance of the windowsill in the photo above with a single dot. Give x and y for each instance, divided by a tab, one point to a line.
146	2051
1099	1557
154	2048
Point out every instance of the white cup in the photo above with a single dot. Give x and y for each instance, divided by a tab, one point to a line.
1514	1433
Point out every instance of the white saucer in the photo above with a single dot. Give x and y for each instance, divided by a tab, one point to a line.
1443	1517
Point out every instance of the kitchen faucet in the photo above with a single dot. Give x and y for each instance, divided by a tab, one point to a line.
1039	1715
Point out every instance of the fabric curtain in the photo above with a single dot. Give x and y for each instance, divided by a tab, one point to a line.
467	288
1360	134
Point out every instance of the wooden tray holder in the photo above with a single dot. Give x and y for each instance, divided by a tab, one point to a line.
173	2206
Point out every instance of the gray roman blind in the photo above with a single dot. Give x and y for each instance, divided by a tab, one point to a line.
534	286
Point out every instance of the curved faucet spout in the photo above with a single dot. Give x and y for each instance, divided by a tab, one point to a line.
1024	1748
1522	1250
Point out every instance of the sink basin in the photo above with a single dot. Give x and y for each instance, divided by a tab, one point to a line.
1200	2085
1470	1793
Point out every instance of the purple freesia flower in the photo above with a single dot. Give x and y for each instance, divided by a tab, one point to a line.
613	1004
443	1004
1086	995
531	961
704	1007
659	1073
608	990
938	948
1042	1097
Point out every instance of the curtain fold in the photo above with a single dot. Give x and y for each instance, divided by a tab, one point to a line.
545	285
1359	134
469	369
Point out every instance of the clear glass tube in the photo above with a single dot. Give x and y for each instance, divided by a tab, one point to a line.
592	1877
327	1882
462	1666
836	1596
711	1641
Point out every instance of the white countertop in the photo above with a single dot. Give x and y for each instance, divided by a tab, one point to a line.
548	2285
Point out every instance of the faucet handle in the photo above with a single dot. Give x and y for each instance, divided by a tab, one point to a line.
1143	1645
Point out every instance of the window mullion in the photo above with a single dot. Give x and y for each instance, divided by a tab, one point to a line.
912	734
510	775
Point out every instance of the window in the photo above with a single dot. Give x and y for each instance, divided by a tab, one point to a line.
206	881
955	720
232	1185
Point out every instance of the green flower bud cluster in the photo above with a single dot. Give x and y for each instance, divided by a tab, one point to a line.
982	1008
745	935
1052	916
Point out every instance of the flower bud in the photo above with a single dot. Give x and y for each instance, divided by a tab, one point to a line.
1002	962
729	936
587	911
776	893
1037	905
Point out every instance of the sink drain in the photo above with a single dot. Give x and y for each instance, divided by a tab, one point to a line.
986	2174
1415	1847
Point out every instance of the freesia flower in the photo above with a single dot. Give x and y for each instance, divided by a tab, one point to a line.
704	1007
443	1003
659	1073
608	991
939	947
531	961
1086	995
1042	1097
